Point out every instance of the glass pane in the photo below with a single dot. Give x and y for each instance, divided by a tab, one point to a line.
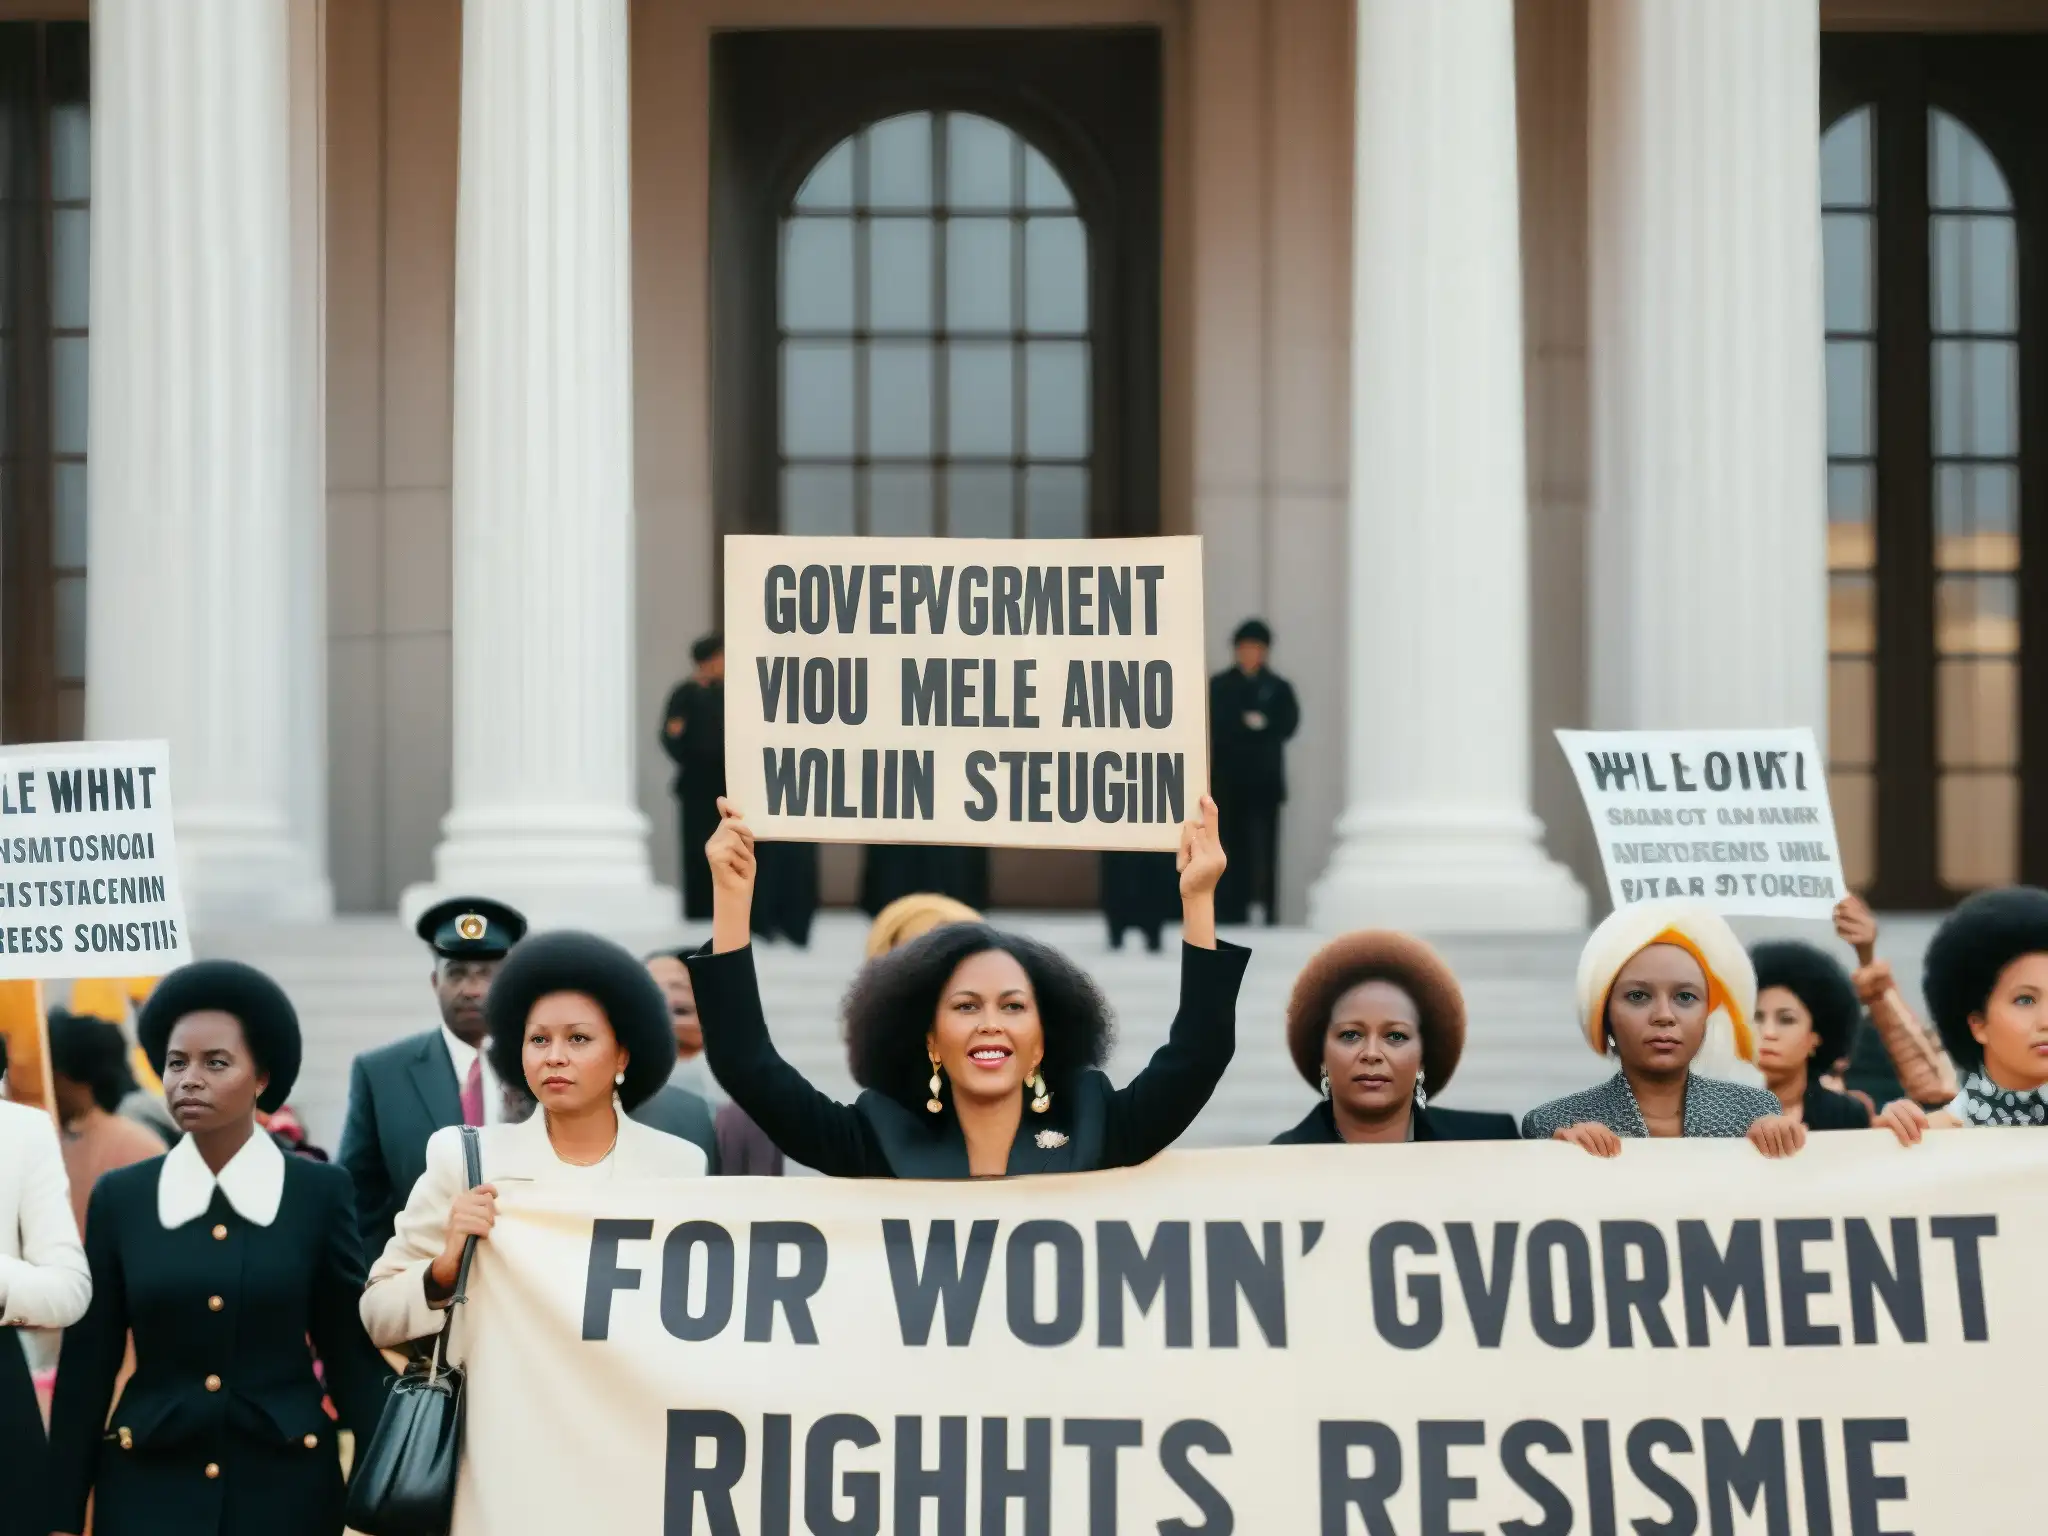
1846	260
1976	404
1056	502
1044	187
1850	364
900	274
1852	530
1055	275
1978	702
1960	168
1977	517
1976	273
1853	794
980	502
817	399
1852	613
900	501
981	163
900	399
978	289
817	275
1977	614
1980	829
70	262
1852	712
67	516
980	399
816	499
69	592
830	184
67	394
1056	399
70	152
900	162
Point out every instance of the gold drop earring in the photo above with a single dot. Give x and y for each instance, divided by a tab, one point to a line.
1042	1096
933	1103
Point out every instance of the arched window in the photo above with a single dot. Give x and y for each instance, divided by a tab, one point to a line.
933	337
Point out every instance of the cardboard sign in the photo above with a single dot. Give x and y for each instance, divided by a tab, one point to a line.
1734	820
88	862
1040	693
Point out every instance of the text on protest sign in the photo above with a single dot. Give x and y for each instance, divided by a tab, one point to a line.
1001	692
88	863
1236	1341
1736	820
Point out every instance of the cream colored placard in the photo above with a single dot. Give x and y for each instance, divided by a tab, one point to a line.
1044	693
1277	1340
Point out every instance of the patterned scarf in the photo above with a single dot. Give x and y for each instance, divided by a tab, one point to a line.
1983	1102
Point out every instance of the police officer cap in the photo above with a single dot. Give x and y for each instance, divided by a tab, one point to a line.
1254	632
470	928
269	1022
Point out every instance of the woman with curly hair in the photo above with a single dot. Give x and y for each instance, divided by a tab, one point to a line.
980	1052
1377	1023
1807	1015
1986	979
91	1077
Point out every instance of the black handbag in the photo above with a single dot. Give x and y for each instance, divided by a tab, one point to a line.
403	1483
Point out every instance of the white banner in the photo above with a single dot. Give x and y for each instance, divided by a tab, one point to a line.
1427	1338
1735	820
88	862
1043	693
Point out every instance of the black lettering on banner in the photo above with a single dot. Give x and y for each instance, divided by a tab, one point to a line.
1723	1276
1599	1478
1635	1296
945	1485
684	1481
863	1490
1870	1277
678	1253
1424	1288
1435	1440
1813	1475
1571	1329
1523	1437
1965	1232
983	808
881	598
776	1466
1008	612
1486	1298
1079	600
1030	1483
974	601
1176	1458
604	1275
1113	593
1122	1266
1650	1436
1258	1275
1797	1284
1747	1475
1866	1489
1069	1300
778	600
943	1280
1342	1490
1103	1439
768	1288
1149	576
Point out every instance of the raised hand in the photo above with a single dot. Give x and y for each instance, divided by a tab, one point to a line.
1201	862
730	852
1856	927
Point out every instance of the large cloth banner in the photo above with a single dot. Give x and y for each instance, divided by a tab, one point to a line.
1040	693
1437	1339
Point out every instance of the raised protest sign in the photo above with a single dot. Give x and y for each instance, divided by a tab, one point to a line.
88	864
1461	1337
1045	693
1735	820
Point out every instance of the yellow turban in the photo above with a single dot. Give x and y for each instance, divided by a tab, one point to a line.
1706	936
911	917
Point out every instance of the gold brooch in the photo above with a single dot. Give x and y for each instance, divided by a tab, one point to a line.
470	926
1051	1139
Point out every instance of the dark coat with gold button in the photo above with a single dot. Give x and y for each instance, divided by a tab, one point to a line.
221	1430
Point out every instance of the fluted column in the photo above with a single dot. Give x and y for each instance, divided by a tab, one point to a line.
203	554
1707	594
543	813
1437	834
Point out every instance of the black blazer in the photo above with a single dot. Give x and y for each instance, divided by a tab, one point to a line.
227	1386
1091	1124
1826	1110
1319	1127
398	1096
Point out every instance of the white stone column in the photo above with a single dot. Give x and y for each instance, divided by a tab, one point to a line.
1437	834
204	563
543	813
1707	571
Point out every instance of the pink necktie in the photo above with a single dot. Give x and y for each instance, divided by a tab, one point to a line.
473	1093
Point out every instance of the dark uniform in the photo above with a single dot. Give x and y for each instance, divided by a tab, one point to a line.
1139	891
891	871
400	1094
785	891
693	735
1251	718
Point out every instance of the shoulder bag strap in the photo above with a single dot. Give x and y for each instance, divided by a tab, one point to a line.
472	1165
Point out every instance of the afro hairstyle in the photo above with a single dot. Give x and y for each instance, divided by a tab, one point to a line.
890	1007
1970	951
595	968
1378	955
269	1023
1819	982
89	1050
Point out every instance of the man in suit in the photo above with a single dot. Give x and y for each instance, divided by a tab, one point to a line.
693	736
1252	715
402	1093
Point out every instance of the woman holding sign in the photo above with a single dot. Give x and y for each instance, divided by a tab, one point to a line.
979	1051
1654	980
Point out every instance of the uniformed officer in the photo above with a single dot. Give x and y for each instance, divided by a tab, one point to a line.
400	1094
220	1260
